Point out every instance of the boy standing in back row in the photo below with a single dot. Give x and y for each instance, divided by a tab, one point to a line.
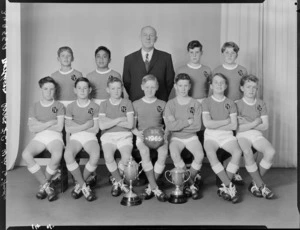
233	72
66	76
99	77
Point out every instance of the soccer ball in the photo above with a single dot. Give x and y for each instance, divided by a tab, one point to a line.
154	137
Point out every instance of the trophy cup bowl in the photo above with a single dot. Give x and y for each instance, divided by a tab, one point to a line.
177	178
131	172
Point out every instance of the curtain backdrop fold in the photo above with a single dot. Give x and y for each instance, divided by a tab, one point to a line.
267	36
13	96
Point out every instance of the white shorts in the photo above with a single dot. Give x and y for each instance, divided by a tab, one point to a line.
220	136
251	135
118	139
65	103
98	101
185	141
47	136
83	137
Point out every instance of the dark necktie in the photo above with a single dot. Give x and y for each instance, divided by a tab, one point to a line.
147	63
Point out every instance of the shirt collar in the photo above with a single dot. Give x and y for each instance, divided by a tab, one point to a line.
150	54
65	73
104	72
218	100
83	106
194	67
230	68
249	103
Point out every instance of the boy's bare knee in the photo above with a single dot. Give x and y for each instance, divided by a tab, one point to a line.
26	155
270	153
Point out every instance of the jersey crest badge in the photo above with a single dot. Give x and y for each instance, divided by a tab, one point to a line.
73	77
91	111
259	108
240	72
192	110
123	109
205	74
54	109
227	106
159	109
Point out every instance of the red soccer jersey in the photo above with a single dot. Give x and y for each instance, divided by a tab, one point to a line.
180	127
251	111
149	114
65	84
218	109
44	113
82	114
113	111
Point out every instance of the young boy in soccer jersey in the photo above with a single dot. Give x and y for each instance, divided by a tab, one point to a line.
183	120
233	72
198	72
82	124
65	76
116	121
46	120
252	119
149	113
99	77
220	119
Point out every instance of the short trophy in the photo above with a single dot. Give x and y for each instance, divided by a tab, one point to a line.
177	178
131	173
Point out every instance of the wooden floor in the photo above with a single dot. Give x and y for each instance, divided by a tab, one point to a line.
23	209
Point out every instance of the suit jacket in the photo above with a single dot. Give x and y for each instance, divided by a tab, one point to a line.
161	66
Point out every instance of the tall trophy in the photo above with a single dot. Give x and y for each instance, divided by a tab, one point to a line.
131	172
177	178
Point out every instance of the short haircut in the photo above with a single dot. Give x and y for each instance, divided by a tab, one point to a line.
149	77
111	79
106	50
182	76
45	80
249	77
220	75
82	79
235	47
65	48
193	44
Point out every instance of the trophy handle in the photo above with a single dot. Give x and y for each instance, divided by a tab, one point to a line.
141	169
188	176
166	176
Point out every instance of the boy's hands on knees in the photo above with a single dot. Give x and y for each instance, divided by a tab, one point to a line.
166	138
138	133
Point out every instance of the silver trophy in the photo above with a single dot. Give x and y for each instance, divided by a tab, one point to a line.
178	179
131	173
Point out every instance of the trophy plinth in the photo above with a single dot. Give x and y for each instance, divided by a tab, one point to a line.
131	172
177	176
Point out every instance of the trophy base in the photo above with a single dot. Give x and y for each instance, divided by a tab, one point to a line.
131	201
177	199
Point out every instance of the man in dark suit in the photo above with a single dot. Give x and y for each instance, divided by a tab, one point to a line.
148	60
